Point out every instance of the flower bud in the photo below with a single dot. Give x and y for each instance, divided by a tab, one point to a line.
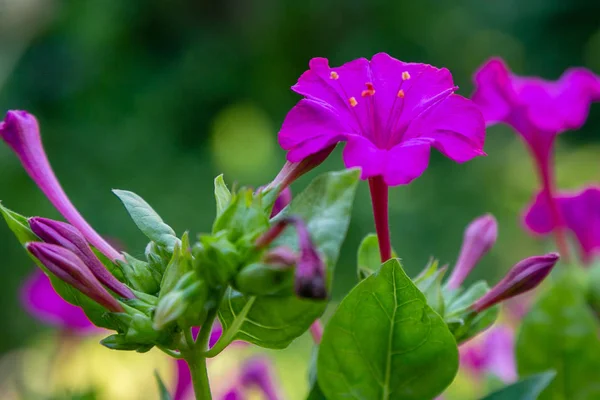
524	276
284	198
21	132
260	279
72	270
67	236
294	170
176	303
257	372
479	238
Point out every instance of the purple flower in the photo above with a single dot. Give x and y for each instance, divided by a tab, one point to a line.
581	213
524	276
41	300
538	110
65	265
479	238
20	131
389	112
257	372
67	236
493	353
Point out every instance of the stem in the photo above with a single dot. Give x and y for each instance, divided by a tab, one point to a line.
379	198
175	354
200	378
542	157
316	331
228	336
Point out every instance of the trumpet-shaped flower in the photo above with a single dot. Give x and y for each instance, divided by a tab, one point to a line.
389	112
538	110
581	213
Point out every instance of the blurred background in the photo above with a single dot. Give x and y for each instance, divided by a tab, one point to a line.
159	96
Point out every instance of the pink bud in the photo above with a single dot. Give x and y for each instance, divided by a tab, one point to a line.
524	276
479	238
67	236
21	132
70	269
284	198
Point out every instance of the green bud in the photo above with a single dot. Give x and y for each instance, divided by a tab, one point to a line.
216	258
139	274
141	330
177	302
119	342
245	215
260	279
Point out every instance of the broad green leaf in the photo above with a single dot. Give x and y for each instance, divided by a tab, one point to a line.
385	342
222	195
162	389
560	332
316	393
526	389
369	259
147	220
325	206
96	313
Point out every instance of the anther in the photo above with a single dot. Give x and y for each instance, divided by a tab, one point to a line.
405	76
334	75
353	101
401	93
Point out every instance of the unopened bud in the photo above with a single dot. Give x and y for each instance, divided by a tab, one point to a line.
175	304
284	198
479	238
72	270
524	276
67	236
310	269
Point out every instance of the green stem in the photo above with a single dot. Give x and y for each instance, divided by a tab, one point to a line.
228	336
199	374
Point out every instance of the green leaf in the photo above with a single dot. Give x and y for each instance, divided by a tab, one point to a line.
429	283
222	195
274	321
180	264
526	389
162	389
560	332
385	342
369	259
147	220
95	312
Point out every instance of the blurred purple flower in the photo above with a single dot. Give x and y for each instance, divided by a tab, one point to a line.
284	198
581	213
492	352
40	299
480	236
538	110
390	113
21	132
257	372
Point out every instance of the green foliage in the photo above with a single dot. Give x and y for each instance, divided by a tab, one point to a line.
222	195
162	389
369	259
560	332
274	321
147	220
258	279
526	389
385	342
429	283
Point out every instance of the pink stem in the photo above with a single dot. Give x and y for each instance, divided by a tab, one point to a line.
379	198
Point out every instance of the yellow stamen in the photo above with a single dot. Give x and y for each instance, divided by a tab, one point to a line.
334	75
405	76
401	93
353	101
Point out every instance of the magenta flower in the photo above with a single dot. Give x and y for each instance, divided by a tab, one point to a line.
41	300
538	110
479	238
257	372
390	113
21	132
493	353
581	213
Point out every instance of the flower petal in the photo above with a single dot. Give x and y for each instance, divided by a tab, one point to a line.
493	91
538	216
581	213
406	161
310	127
456	126
360	152
317	84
